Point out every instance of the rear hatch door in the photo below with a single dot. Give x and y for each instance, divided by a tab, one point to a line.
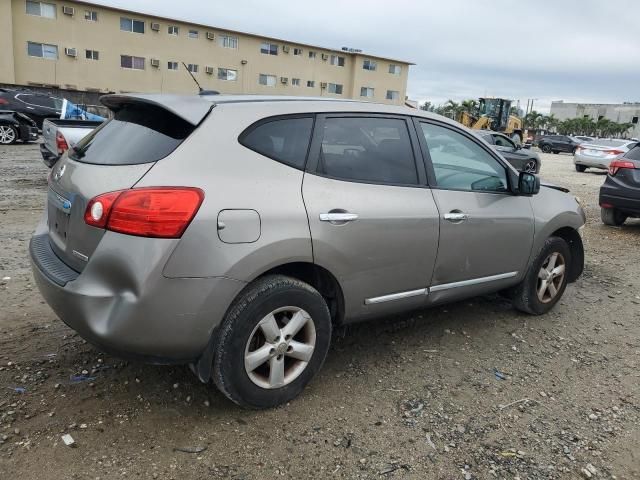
115	156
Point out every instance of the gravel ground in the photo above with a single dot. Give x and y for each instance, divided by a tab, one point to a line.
469	390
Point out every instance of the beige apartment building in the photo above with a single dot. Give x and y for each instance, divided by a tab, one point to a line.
80	46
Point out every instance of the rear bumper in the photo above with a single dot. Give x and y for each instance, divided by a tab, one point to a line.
592	162
48	158
626	204
28	133
122	304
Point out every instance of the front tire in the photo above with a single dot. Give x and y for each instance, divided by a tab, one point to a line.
580	168
612	217
8	135
273	340
546	278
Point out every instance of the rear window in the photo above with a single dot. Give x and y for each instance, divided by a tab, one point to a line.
136	134
285	140
634	153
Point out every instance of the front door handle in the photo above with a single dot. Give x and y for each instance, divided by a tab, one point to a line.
456	217
338	217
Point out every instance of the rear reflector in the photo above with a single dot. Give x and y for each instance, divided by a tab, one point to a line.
618	164
614	152
61	143
159	212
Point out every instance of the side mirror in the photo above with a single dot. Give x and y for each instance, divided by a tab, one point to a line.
518	146
528	184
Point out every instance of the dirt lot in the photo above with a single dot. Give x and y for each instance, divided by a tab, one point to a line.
470	390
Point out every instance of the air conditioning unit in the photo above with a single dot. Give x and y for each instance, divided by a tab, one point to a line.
155	26
155	62
71	52
323	84
325	56
284	80
210	36
208	70
285	48
68	11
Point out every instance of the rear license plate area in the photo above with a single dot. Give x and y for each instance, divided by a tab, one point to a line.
59	215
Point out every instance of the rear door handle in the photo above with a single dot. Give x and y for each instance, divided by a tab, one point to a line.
338	217
456	217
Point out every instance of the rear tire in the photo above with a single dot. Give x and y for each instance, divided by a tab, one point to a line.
530	167
612	217
580	168
258	362
8	135
546	148
546	279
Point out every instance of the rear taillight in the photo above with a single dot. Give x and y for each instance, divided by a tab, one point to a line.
618	164
614	152
161	212
3	101
61	143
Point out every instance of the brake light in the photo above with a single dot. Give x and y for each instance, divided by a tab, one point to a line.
61	143
613	152
159	212
618	164
3	101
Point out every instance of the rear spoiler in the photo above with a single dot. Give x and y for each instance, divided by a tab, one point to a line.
190	108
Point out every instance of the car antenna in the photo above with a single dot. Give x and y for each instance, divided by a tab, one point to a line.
201	91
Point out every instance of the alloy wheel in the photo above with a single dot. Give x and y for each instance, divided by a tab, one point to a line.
551	277
530	166
280	347
7	135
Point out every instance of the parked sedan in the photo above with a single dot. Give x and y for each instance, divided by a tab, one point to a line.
557	144
620	193
601	153
14	126
523	160
311	214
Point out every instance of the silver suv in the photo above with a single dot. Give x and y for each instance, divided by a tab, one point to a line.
234	233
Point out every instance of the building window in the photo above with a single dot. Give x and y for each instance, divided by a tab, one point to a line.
227	74
41	9
269	48
192	67
227	41
395	69
42	50
268	80
297	51
312	54
131	25
311	83
370	65
172	65
91	15
173	30
366	92
295	82
334	88
193	33
393	95
92	54
132	63
634	120
337	60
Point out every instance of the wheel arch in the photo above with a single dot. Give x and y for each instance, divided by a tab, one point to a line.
573	239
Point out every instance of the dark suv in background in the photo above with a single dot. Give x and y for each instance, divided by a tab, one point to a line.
620	193
557	144
36	106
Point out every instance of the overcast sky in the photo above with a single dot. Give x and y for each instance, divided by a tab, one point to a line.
572	50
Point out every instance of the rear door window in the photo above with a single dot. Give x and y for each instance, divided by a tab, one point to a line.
136	134
368	149
283	139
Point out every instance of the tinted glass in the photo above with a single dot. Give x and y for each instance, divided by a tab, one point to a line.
501	141
462	164
285	140
136	134
368	149
634	153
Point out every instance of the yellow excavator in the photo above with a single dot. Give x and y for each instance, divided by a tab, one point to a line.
494	114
